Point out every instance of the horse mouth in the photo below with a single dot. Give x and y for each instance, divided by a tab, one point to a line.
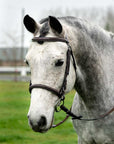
36	129
44	129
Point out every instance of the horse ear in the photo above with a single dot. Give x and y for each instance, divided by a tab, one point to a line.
55	24
30	24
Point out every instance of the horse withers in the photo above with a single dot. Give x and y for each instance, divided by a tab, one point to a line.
93	77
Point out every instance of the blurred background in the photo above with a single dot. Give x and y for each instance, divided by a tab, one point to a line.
15	75
14	39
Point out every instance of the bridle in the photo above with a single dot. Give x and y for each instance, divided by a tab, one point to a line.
61	93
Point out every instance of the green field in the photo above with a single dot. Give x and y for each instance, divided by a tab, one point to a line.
14	128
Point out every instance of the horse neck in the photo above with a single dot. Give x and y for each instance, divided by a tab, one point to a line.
90	83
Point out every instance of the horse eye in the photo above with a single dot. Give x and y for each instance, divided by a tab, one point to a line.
59	63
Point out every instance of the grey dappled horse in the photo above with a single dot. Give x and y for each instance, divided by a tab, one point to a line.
93	49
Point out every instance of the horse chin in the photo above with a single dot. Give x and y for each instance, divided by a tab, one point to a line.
40	130
43	129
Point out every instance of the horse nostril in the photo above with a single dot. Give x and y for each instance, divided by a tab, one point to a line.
42	121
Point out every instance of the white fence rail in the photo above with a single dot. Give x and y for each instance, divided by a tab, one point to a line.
22	70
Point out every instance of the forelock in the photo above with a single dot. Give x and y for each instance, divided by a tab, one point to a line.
45	28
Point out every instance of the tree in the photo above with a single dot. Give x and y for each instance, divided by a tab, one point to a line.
109	24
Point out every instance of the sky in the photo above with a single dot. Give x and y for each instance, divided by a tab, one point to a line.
11	15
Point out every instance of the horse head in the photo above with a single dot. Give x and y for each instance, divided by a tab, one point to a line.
47	61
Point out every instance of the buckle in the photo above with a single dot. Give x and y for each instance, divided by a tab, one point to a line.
58	107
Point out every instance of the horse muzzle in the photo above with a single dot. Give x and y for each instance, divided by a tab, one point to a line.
40	125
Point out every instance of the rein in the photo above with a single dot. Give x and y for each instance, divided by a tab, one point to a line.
60	93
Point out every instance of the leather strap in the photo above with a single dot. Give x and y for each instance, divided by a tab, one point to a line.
49	39
54	91
68	112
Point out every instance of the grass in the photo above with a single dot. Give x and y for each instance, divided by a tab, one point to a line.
14	128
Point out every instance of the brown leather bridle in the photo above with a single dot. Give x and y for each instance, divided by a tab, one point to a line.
60	93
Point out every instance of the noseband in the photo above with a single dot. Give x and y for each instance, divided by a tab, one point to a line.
60	93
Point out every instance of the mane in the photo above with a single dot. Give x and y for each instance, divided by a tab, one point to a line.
96	33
